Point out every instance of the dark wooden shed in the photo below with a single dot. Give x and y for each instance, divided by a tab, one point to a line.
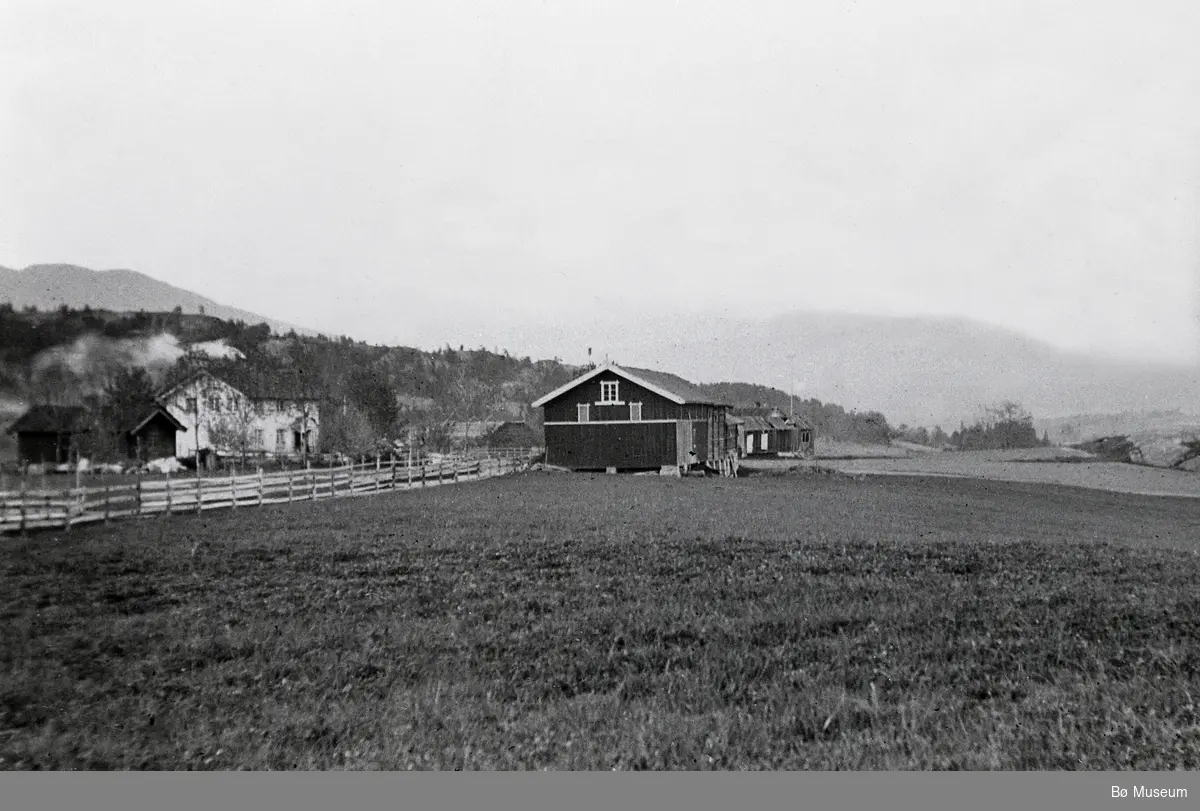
49	434
631	419
154	435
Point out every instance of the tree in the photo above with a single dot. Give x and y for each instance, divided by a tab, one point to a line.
348	431
124	401
233	429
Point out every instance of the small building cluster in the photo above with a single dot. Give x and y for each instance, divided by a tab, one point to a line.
52	434
770	432
203	418
611	418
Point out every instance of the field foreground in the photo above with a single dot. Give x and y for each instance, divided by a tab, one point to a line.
596	622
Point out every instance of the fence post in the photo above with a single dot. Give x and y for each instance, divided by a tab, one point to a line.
456	464
67	510
408	471
332	483
106	492
232	489
261	486
199	490
441	471
49	510
312	481
393	460
24	490
351	490
291	476
137	504
422	472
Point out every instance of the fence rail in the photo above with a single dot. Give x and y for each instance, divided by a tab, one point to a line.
26	509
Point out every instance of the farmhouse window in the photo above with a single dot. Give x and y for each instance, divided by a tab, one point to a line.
608	391
635	412
582	412
191	405
214	402
259	439
281	439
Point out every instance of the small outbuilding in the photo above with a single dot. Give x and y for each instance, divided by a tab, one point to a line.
769	432
154	436
49	434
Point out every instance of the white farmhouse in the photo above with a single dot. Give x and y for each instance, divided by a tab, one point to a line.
224	421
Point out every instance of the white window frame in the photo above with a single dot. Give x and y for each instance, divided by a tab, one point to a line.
607	386
635	412
583	412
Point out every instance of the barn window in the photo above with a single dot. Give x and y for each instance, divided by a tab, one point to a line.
582	412
608	392
635	411
191	405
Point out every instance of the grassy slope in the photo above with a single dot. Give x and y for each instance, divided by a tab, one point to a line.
601	622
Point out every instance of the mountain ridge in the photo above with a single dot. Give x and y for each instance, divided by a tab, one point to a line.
51	285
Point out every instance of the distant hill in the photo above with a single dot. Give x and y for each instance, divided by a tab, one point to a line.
49	287
1084	427
916	370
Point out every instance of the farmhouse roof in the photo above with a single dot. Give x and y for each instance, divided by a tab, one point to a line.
45	419
670	386
254	383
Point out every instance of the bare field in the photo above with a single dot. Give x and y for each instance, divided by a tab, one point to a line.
598	622
1099	475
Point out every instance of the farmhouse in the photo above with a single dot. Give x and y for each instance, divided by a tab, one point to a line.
256	417
630	419
49	434
769	432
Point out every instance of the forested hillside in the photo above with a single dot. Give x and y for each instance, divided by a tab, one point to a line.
368	392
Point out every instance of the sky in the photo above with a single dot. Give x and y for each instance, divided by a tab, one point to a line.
424	173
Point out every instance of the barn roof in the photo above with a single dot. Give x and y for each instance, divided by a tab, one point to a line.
42	419
670	386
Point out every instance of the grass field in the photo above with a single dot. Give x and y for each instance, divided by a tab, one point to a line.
1016	466
601	622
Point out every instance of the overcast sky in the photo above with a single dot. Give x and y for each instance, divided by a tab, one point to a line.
398	170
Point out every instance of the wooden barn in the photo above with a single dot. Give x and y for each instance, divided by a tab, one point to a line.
154	436
49	434
769	432
626	419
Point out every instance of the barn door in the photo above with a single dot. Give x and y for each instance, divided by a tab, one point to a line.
683	440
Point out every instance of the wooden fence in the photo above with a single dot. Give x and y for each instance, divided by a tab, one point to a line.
26	509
